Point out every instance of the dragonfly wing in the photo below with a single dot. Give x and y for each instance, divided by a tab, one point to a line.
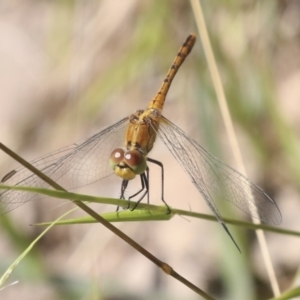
214	179
77	165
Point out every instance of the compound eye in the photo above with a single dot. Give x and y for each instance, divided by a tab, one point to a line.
116	157
136	161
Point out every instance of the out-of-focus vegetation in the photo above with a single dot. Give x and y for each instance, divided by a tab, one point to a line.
69	68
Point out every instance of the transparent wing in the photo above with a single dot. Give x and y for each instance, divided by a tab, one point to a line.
76	165
214	179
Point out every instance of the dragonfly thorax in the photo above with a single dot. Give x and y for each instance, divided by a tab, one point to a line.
141	130
127	164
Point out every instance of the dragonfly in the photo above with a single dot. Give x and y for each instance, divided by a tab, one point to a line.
122	149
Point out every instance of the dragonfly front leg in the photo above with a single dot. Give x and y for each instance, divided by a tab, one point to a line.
144	185
123	189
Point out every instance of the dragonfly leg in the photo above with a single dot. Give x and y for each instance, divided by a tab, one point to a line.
145	185
162	180
123	189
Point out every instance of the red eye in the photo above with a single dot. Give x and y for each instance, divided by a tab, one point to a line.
116	157
136	161
133	158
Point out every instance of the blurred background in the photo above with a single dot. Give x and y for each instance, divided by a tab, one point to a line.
69	68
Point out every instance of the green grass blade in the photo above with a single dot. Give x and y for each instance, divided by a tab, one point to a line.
290	294
87	198
118	216
11	268
150	207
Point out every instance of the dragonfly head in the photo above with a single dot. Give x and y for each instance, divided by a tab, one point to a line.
127	164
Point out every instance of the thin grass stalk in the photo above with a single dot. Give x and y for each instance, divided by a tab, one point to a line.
216	79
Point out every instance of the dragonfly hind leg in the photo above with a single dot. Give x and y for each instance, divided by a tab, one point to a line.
162	180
